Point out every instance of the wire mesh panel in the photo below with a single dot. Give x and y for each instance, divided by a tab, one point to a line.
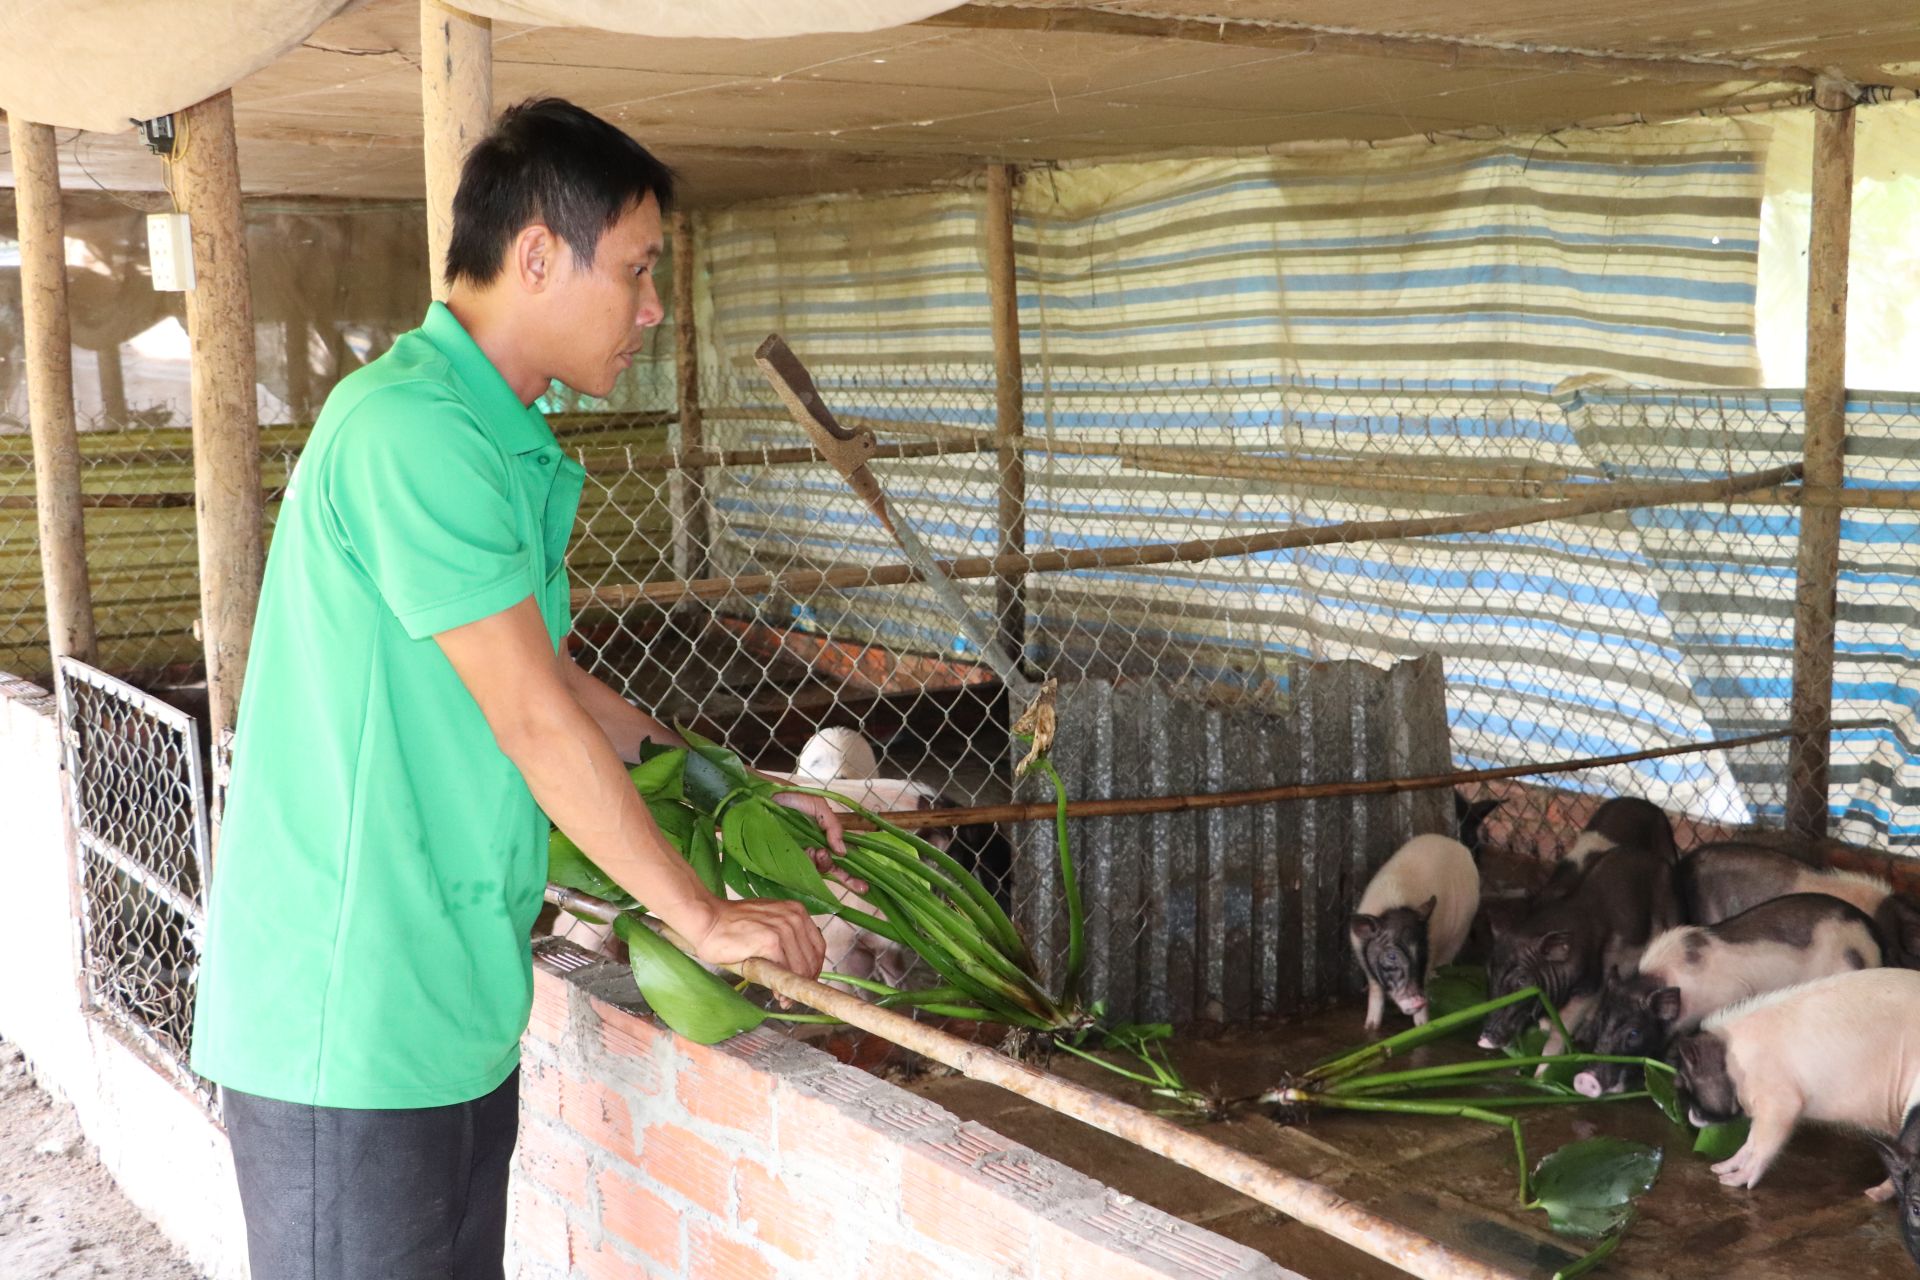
139	804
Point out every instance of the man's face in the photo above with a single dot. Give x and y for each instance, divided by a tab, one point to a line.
605	310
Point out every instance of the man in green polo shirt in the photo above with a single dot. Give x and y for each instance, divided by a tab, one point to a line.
410	711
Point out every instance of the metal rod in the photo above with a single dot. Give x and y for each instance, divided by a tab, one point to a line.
1129	806
803	582
1825	442
1310	1203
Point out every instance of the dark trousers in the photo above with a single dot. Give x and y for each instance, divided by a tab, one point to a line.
332	1193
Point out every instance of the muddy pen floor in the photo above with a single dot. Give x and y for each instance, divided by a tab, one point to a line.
1454	1180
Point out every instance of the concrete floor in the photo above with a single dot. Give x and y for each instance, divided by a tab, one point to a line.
1454	1180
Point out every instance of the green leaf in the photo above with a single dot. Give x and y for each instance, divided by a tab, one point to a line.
1660	1086
695	1003
1588	1188
676	822
569	868
703	854
1456	987
1528	1043
1719	1141
775	853
657	776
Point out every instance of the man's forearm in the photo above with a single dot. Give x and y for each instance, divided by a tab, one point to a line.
582	786
625	725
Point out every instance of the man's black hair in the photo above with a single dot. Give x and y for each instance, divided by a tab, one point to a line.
547	160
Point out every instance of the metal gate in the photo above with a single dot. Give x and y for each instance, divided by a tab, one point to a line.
138	791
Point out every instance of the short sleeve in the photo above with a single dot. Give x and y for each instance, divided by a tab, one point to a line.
422	500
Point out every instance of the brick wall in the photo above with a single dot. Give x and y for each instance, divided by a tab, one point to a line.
645	1154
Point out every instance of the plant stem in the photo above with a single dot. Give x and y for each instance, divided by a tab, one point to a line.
1412	1038
1594	1259
1477	1067
1069	887
1406	1107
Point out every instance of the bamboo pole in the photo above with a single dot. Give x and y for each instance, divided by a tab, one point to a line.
1318	1207
226	428
456	98
1009	391
49	353
1815	587
1449	51
802	582
1132	806
692	518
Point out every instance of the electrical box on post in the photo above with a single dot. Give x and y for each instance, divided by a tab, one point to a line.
170	252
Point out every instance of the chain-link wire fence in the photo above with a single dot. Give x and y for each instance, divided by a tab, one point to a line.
138	788
1653	613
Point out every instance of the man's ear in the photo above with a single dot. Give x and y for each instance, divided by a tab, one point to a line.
534	256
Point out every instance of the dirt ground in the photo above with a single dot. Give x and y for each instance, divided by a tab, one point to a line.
1454	1180
61	1216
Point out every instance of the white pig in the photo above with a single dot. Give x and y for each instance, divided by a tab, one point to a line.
1413	918
1843	1050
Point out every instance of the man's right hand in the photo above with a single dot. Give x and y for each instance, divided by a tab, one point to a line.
771	929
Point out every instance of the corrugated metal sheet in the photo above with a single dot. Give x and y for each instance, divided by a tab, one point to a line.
1229	914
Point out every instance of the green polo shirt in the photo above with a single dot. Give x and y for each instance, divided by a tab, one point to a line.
381	860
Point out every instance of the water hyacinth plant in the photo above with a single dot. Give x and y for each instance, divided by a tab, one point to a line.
922	899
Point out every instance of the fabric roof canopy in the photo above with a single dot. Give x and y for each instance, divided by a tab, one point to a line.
833	98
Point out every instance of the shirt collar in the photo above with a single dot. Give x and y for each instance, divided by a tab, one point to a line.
517	427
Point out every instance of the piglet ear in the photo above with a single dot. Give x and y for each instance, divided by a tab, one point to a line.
1363	927
1685	1052
1893	1155
1556	947
1664	1004
1426	908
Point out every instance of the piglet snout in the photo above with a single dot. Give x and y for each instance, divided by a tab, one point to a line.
1587	1085
1488	1042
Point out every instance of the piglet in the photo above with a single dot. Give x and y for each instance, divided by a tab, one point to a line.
1413	917
1566	946
1721	880
1691	972
1900	1155
1622	821
1843	1050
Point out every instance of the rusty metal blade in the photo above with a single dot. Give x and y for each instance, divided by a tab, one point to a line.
848	450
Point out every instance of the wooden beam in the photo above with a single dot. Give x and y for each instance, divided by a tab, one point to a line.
691	516
1009	384
1449	51
226	426
456	98
1825	444
49	353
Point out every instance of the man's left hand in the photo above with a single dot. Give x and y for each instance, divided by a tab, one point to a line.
821	812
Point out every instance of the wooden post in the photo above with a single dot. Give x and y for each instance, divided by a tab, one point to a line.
456	96
113	386
295	337
1825	444
691	518
226	423
49	353
1003	299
